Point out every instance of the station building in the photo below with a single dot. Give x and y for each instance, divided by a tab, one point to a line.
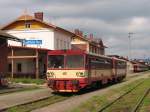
4	37
26	62
27	58
28	27
88	43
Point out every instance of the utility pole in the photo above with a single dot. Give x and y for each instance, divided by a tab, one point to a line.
129	36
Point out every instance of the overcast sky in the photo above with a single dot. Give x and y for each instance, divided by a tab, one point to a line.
110	20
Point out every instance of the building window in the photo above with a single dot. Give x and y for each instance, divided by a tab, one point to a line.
57	43
61	44
27	25
9	67
96	50
68	45
90	49
19	67
65	45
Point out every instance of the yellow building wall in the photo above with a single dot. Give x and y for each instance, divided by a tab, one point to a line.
20	25
79	41
76	39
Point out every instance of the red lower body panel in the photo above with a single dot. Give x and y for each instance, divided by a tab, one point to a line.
67	85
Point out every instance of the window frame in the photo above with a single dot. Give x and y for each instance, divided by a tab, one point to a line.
19	68
65	68
27	25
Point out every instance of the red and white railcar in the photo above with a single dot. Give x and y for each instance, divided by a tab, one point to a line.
73	70
140	67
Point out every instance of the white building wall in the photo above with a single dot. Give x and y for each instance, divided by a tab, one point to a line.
130	67
62	40
27	66
46	35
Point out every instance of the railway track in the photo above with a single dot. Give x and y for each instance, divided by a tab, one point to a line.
10	90
140	102
121	96
38	103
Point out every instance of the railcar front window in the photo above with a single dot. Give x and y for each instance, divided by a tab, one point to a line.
56	61
74	61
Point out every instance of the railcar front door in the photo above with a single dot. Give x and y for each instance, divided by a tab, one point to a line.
89	70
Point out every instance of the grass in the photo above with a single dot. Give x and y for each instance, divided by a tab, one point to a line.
146	104
129	101
95	103
28	81
38	104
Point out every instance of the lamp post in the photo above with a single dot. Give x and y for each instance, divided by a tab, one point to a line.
129	36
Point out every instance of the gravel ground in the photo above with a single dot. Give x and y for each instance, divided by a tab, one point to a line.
18	98
67	105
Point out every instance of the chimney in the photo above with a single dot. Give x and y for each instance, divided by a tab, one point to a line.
80	33
85	36
38	15
91	37
76	31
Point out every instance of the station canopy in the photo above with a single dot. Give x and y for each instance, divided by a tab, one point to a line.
4	35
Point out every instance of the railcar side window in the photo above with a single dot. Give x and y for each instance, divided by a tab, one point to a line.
74	61
121	64
101	63
56	61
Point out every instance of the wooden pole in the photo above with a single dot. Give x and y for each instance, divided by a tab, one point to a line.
12	64
37	64
21	57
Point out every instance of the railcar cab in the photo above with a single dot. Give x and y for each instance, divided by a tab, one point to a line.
66	70
66	60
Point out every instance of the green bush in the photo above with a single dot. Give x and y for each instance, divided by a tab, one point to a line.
28	81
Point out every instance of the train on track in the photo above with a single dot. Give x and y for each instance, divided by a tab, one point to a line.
140	67
73	70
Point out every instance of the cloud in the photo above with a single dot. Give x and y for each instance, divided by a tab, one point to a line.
110	20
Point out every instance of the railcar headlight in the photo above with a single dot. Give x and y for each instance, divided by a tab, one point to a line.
77	74
50	74
80	74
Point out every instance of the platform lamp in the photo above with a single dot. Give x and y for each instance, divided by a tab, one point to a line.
129	37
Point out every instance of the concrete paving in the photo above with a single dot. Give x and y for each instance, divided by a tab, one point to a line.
18	98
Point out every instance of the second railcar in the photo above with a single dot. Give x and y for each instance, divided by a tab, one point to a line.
140	68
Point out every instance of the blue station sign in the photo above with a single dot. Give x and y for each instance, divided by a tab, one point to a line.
32	42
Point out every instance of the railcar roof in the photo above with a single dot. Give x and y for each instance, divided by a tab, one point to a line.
104	56
120	59
59	52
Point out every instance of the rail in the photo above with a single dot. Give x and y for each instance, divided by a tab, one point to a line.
111	103
139	104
